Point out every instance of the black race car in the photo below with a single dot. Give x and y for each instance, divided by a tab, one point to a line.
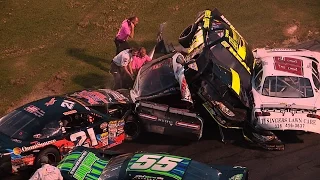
175	93
83	163
54	125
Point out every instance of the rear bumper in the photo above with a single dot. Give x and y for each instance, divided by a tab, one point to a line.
289	122
162	119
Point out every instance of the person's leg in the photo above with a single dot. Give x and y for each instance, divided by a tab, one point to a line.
117	80
117	43
126	81
123	45
114	69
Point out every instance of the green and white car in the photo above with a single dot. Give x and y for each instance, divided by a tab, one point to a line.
84	163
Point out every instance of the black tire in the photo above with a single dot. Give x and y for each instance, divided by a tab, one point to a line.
132	128
53	155
186	36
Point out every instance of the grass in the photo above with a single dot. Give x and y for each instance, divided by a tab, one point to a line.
52	47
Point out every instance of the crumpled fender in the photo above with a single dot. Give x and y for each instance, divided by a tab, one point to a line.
178	70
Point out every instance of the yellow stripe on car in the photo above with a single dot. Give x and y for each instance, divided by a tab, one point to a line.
206	19
235	81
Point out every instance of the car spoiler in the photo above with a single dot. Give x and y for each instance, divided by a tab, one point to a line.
288	106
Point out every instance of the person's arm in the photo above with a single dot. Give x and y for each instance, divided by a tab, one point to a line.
126	69
130	68
132	30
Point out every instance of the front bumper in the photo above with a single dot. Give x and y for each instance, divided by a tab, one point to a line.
5	163
262	138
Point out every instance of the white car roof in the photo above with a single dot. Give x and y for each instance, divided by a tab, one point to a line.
274	59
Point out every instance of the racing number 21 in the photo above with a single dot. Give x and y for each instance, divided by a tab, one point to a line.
83	136
156	163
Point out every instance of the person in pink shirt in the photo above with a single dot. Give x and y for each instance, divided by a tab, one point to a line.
125	32
139	60
143	55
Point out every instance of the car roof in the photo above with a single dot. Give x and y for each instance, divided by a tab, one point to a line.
98	97
298	60
54	107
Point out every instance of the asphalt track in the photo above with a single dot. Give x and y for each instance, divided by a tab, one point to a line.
299	161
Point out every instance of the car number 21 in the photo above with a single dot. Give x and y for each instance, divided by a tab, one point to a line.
83	136
155	163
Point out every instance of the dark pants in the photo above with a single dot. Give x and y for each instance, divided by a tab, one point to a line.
121	79
121	45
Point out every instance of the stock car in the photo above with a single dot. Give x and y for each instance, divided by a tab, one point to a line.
83	163
286	92
54	125
176	93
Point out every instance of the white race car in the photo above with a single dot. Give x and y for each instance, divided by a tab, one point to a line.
286	90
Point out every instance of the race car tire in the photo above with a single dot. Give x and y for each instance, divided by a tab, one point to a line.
186	36
52	153
132	128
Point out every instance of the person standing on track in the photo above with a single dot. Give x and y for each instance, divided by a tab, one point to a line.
125	32
121	68
47	171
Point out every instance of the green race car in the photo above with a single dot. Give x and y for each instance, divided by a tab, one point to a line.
84	163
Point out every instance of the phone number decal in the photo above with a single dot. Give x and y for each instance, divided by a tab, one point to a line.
165	165
285	123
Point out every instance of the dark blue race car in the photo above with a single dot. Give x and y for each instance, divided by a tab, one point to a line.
85	163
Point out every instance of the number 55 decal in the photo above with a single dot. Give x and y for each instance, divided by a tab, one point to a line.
83	136
155	163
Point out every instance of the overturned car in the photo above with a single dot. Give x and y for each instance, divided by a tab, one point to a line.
174	93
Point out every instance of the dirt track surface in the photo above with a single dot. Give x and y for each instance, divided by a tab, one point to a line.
299	160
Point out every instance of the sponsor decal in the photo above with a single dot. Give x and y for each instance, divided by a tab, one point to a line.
104	126
288	122
167	62
67	104
16	140
206	19
165	121
288	64
188	125
104	138
17	151
116	95
145	177
36	146
37	136
283	50
93	97
51	102
70	112
146	116
34	110
154	118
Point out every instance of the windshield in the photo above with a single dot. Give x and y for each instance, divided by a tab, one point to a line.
156	78
19	124
287	87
